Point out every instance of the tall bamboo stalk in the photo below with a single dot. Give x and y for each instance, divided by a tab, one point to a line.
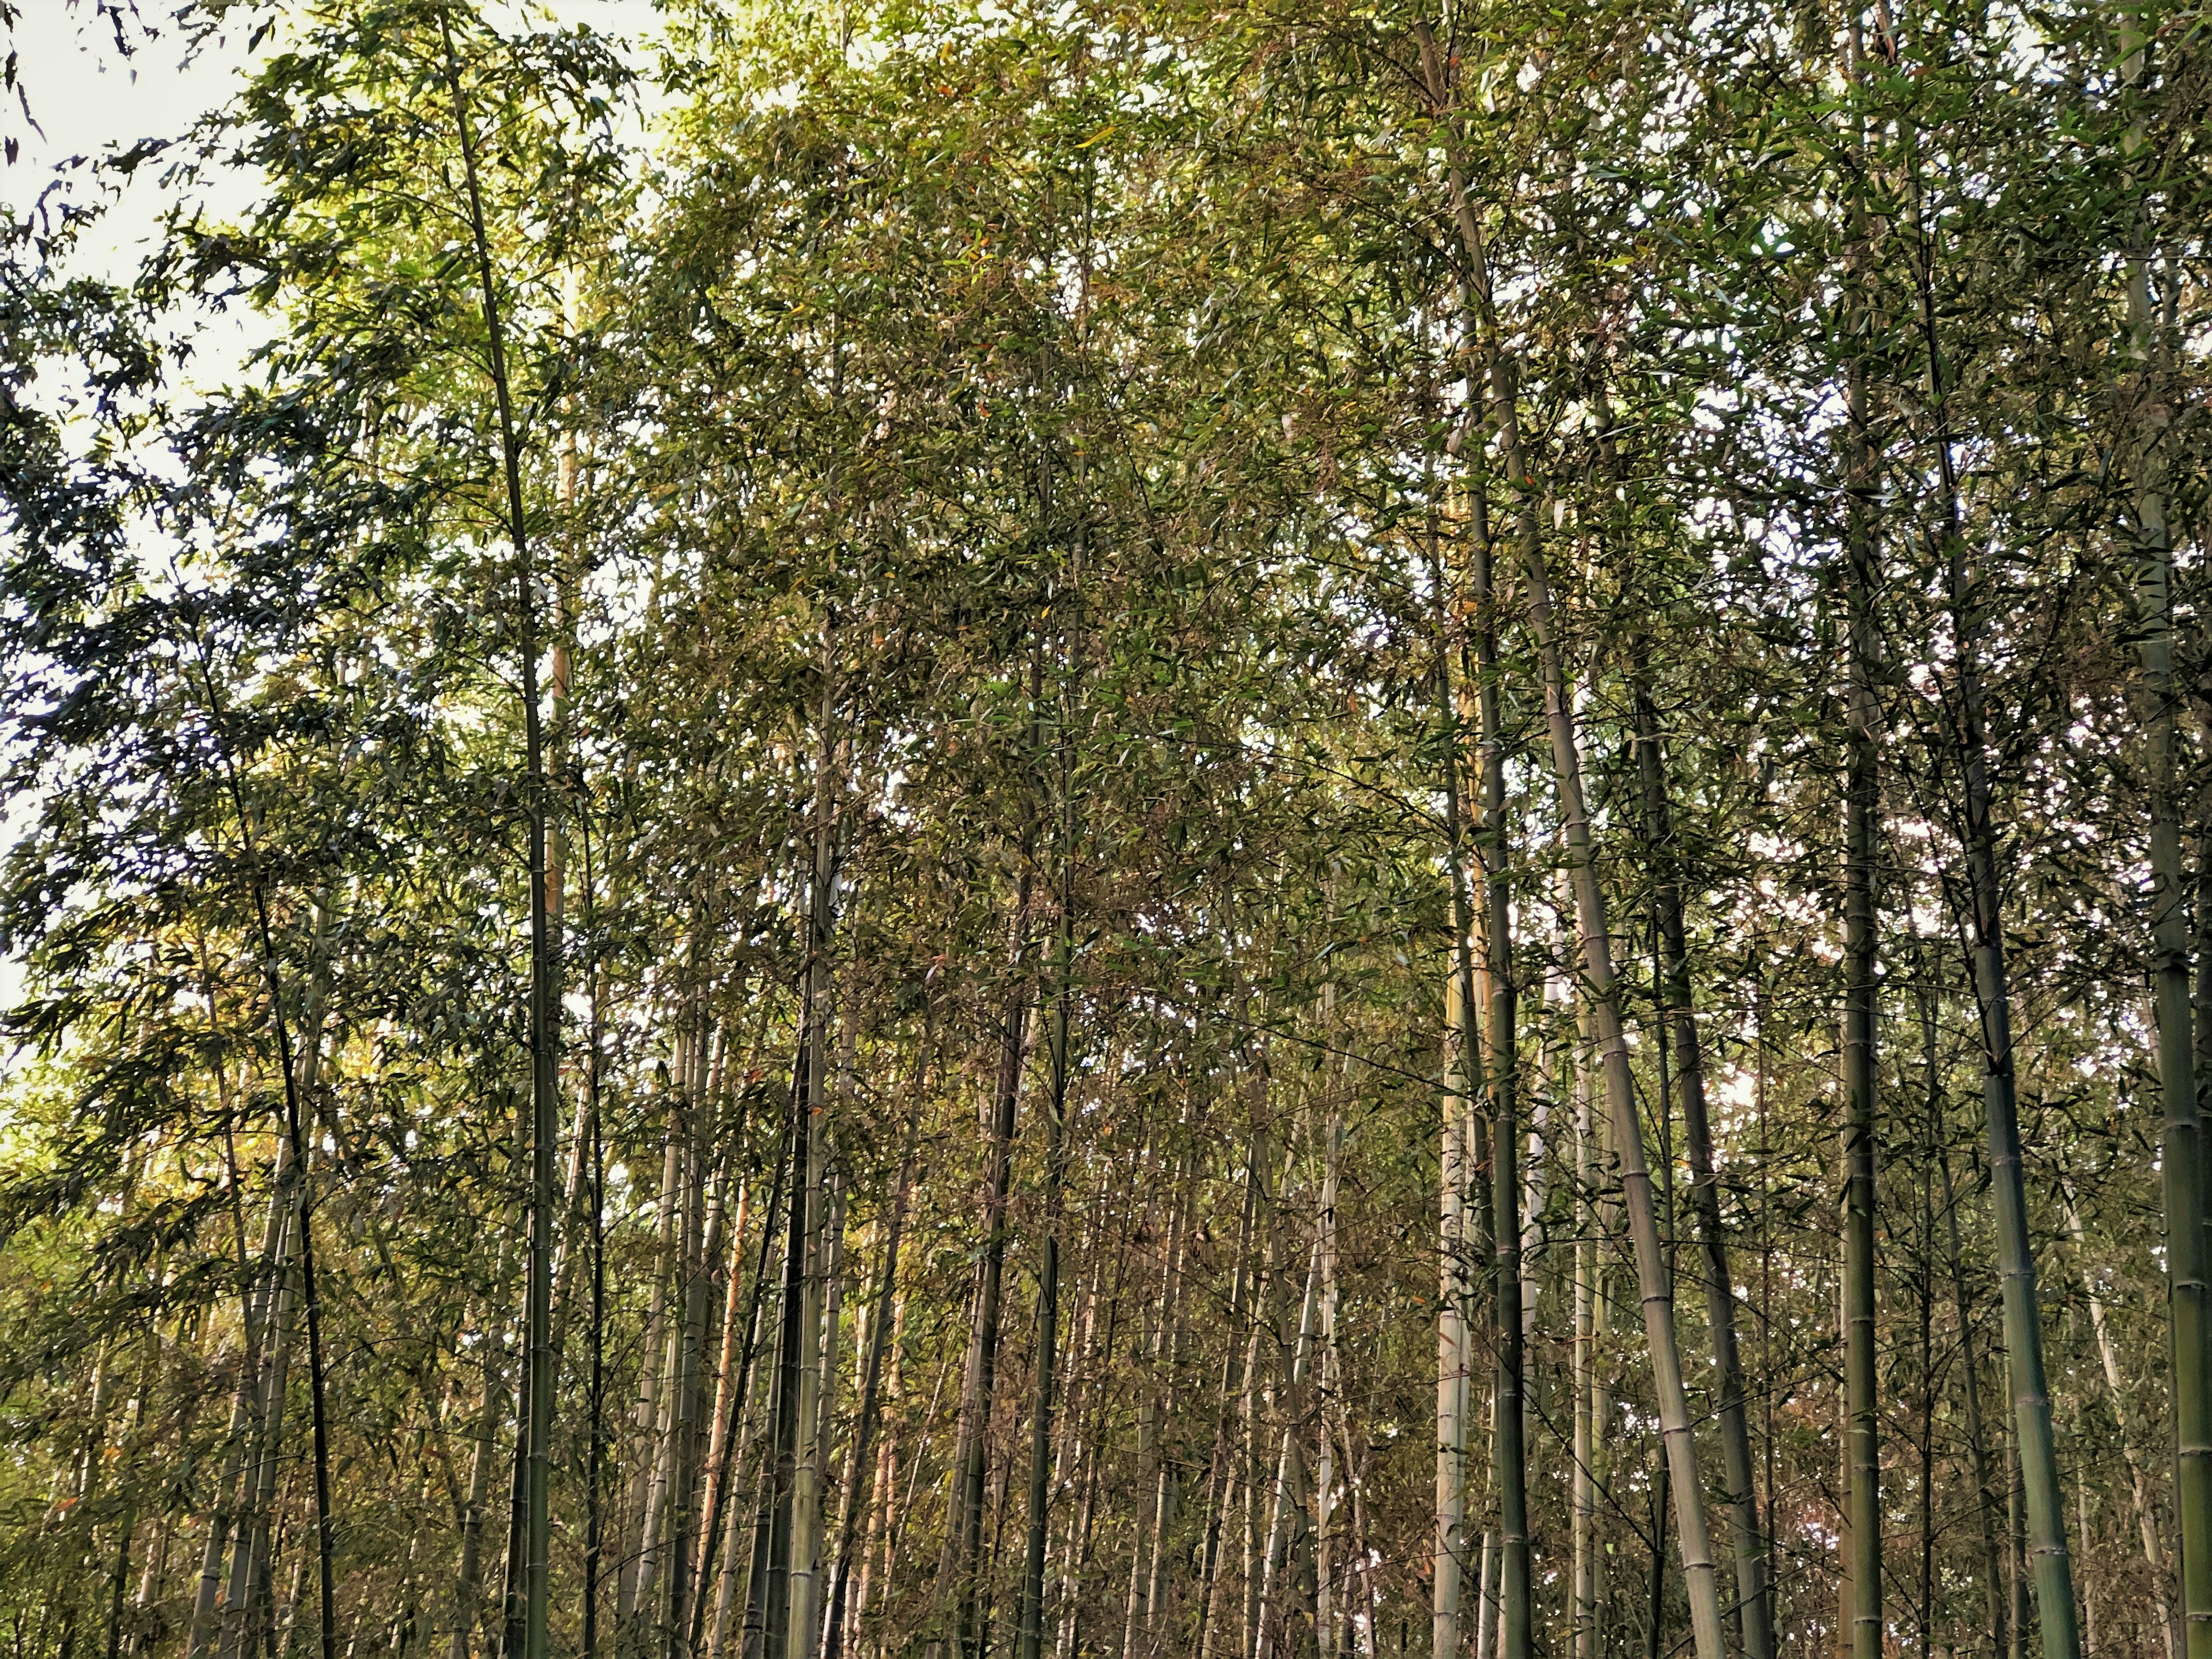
1501	1078
1030	1611
1861	832
544	1003
1985	1504
1745	1532
768	1595
2045	1506
1450	1569
2131	1437
1655	1285
1585	1562
2183	1164
980	1385
1221	1477
1455	1167
1326	1499
880	1322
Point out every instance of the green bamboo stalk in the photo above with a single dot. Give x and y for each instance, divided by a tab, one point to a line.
2045	1515
1508	1444
2051	1565
1655	1285
2182	1144
1752	1602
1862	1447
544	997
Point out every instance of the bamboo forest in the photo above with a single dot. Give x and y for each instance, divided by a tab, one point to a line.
1106	830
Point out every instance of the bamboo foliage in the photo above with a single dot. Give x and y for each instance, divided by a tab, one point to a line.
938	829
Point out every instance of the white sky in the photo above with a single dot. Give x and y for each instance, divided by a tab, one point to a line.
87	99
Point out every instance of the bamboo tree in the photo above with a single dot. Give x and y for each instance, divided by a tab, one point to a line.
1656	1290
1029	1617
2045	1510
768	1610
1985	1501
1457	1161
2125	1414
812	1246
1509	1448
965	1532
1983	924
880	1322
1861	836
2182	1157
1861	991
298	1075
1745	1539
544	997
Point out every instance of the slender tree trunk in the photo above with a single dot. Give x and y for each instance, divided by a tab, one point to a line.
2183	1164
256	1300
705	1198
1326	1501
1993	1574
1287	1508
1747	1544
1030	1614
1449	1570
1587	1563
1655	1627
634	1586
806	1469
1221	1479
514	1607
1656	1285
979	1389
2045	1505
249	1569
1067	1638
769	1587
671	1291
880	1323
1657	1290
2016	1553
1154	1355
1930	1374
1861	833
786	1596
829	1250
2131	1440
2088	1601
723	1415
469	1608
282	1236
2045	1510
544	997
1167	1485
1508	1448
1485	1602
595	1451
1462	1152
875	1547
726	1520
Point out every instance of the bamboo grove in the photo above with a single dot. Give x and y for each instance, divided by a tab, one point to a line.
949	827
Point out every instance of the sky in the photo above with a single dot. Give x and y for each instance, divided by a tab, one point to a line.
86	98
